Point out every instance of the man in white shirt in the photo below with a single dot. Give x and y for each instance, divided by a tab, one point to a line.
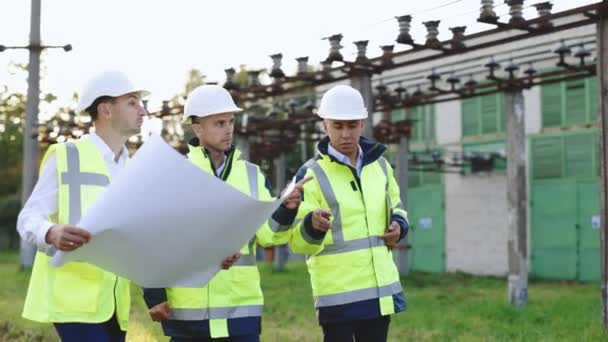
84	302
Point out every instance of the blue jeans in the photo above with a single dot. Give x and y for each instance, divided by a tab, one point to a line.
369	330
91	332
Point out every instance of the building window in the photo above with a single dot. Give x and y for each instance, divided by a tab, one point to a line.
572	155
483	115
424	121
569	103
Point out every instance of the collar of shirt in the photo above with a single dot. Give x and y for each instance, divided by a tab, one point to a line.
345	160
106	152
220	168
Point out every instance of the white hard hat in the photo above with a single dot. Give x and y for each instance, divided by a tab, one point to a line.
342	103
209	100
108	83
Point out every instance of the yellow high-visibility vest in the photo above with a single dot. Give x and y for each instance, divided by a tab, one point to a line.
236	292
76	291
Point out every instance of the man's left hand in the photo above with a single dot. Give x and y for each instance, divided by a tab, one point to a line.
295	197
391	237
229	261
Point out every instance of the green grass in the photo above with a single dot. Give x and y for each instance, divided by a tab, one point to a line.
447	307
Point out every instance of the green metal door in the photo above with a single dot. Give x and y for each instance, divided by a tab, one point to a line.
427	233
426	216
554	237
565	206
589	230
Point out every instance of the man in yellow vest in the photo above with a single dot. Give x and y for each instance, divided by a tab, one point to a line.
229	307
84	302
351	213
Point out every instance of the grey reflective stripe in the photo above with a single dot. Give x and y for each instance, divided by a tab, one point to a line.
216	313
352	245
399	205
50	250
400	214
252	175
382	162
309	238
73	178
358	295
330	198
246	260
276	226
389	203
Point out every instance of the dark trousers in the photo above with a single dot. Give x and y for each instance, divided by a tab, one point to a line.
371	330
91	332
243	338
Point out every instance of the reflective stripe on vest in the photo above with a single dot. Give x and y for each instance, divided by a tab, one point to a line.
247	259
252	175
74	179
389	204
358	295
276	227
352	245
330	198
399	205
216	313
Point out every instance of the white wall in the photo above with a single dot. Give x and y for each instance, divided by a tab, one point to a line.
532	107
448	122
476	224
476	205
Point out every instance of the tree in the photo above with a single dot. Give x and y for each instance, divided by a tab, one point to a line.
12	114
195	78
12	120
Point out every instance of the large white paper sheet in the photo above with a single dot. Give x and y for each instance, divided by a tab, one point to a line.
164	223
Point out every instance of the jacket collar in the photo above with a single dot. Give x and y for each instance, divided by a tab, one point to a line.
372	150
200	156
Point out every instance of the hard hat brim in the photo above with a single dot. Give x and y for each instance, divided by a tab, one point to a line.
215	112
82	106
356	116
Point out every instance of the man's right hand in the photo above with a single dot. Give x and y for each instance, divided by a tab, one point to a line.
320	220
67	238
160	312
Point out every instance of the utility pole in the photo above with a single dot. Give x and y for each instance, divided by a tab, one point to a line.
516	198
281	252
31	148
362	81
400	255
602	68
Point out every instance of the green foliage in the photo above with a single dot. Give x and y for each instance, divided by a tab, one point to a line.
12	121
12	115
9	210
195	78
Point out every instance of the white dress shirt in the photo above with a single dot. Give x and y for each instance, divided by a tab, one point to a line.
219	170
33	221
345	160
